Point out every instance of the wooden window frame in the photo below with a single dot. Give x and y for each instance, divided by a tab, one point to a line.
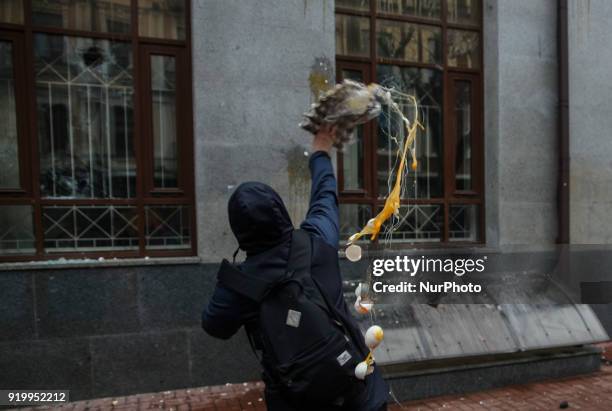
183	145
145	194
368	132
450	196
25	184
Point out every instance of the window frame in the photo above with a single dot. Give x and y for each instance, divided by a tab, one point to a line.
18	57
449	196
477	143
367	141
29	139
147	52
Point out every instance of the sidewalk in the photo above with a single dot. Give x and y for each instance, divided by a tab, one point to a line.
592	392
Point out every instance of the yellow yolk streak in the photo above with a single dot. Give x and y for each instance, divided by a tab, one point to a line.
392	204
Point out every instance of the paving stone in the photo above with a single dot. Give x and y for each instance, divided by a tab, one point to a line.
591	392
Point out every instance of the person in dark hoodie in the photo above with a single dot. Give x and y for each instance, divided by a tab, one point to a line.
263	228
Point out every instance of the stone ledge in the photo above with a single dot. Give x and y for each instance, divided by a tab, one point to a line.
97	263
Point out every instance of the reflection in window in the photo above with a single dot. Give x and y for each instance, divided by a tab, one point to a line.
419	223
9	148
352	218
168	227
416	45
352	156
416	8
11	11
163	91
352	36
80	198
84	92
16	230
88	15
352	162
408	42
464	11
463	222
90	228
426	85
463	124
463	49
362	5
164	19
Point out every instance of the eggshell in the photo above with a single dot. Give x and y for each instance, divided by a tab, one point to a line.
366	305
361	370
362	308
365	289
362	290
353	253
374	336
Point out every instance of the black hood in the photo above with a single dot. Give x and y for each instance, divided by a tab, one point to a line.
258	217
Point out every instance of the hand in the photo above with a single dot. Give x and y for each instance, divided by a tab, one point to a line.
324	139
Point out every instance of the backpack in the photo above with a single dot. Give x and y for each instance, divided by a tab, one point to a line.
308	352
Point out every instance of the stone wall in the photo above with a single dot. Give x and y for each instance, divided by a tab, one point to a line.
113	331
251	64
520	75
590	58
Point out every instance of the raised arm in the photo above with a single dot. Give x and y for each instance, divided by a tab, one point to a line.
322	217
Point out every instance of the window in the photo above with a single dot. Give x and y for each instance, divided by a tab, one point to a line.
431	49
95	129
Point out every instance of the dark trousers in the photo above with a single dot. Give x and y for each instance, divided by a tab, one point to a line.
275	402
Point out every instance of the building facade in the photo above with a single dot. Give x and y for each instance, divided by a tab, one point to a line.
126	125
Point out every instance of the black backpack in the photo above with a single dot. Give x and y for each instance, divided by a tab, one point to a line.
308	352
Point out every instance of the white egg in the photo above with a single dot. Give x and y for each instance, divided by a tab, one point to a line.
358	291
365	289
353	253
374	336
362	290
361	308
361	370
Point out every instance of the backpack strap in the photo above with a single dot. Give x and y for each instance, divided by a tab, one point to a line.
248	285
300	256
300	261
256	287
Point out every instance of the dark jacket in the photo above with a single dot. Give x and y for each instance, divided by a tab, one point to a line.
263	229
